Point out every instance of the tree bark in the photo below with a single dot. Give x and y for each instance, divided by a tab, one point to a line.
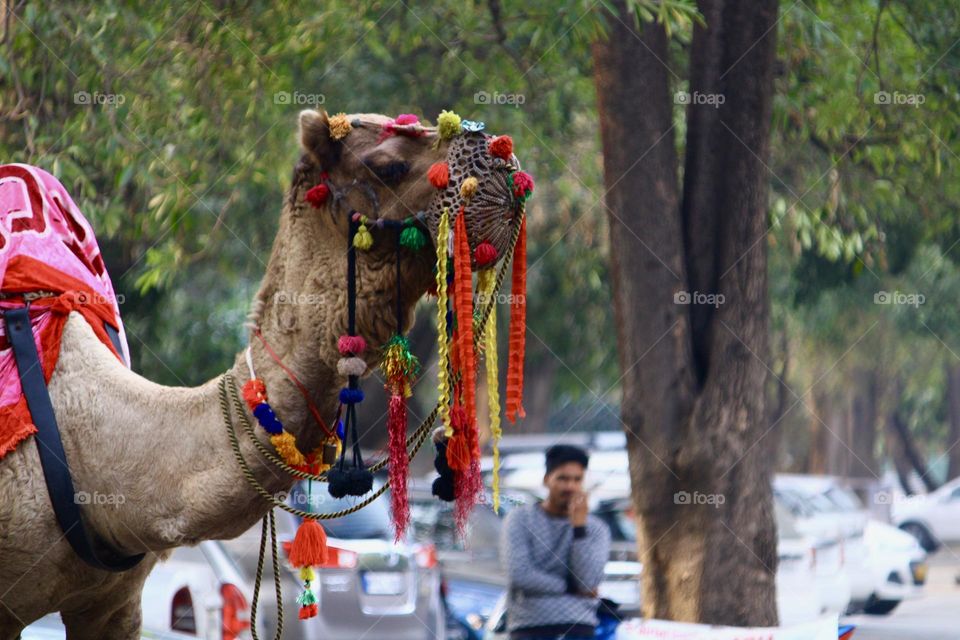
953	411
905	442
694	374
863	422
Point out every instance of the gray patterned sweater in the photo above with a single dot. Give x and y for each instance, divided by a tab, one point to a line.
547	564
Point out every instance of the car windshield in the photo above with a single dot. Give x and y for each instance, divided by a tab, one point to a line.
372	521
845	499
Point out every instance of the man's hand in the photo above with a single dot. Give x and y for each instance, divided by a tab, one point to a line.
578	510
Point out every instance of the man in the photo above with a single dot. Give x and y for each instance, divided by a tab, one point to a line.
555	553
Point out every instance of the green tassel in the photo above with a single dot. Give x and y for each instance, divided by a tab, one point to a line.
413	238
306	597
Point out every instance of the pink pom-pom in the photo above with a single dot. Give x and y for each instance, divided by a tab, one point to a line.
522	183
406	118
351	345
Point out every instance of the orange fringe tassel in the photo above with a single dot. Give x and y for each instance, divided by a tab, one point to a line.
464	309
309	547
518	327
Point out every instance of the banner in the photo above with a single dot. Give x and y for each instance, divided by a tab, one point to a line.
639	629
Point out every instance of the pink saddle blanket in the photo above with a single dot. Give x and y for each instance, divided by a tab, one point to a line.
49	256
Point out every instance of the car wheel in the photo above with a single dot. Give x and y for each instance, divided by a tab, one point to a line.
880	607
922	534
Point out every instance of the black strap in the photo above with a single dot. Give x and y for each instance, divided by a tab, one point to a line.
115	339
52	457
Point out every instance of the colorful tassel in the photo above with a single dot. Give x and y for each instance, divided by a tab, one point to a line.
363	240
468	188
522	184
351	345
254	392
439	175
518	327
309	548
286	446
448	124
399	464
351	366
486	283
443	383
463	307
485	254
318	195
501	147
339	126
413	238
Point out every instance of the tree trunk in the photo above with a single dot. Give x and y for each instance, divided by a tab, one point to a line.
695	405
910	451
953	406
863	423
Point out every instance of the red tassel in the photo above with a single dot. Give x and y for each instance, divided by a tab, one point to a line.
439	175
309	611
399	464
458	452
309	548
254	392
518	327
464	309
317	195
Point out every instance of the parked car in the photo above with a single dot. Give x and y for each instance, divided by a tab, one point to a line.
50	627
932	519
371	585
798	586
199	591
898	565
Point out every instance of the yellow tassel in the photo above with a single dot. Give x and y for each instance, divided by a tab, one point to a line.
443	238
286	446
339	126
363	240
307	573
486	283
469	188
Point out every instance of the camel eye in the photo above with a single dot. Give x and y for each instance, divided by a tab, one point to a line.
390	172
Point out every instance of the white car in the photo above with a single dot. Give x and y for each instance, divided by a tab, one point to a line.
828	549
898	566
198	591
933	518
798	595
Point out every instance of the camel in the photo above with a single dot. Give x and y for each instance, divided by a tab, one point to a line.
166	449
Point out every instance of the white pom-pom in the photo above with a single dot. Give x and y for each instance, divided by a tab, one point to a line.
352	366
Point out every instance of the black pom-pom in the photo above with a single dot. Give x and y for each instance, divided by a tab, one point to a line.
337	482
443	489
440	461
359	481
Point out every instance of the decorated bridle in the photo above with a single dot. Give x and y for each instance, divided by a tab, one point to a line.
477	215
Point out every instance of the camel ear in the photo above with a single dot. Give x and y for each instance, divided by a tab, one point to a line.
315	137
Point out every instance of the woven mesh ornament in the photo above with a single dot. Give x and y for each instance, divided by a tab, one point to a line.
493	209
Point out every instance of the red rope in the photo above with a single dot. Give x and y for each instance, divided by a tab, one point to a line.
296	381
